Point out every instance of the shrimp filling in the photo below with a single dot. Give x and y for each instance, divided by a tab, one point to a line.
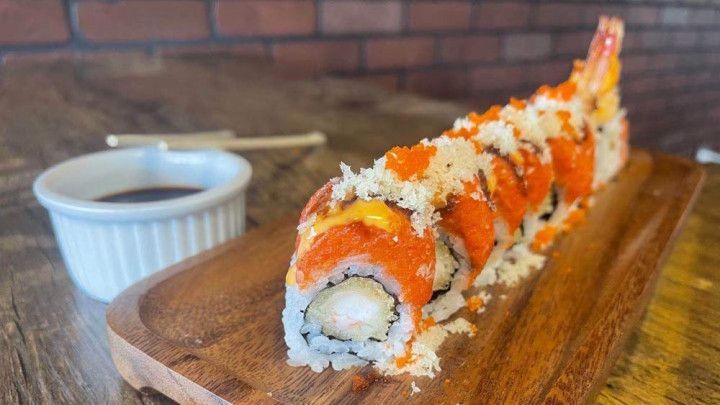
356	309
445	266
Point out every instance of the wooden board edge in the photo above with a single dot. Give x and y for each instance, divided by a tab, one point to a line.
154	374
166	375
695	180
123	314
124	353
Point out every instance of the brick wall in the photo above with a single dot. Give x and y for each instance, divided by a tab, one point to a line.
481	50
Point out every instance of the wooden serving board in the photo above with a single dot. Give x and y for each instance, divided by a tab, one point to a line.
209	329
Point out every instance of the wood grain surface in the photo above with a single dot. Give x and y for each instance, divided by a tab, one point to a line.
210	327
53	344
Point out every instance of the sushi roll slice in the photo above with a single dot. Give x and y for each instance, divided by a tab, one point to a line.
466	240
572	147
357	283
537	171
495	139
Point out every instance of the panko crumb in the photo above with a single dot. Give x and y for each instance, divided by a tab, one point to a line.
361	382
422	358
478	303
414	389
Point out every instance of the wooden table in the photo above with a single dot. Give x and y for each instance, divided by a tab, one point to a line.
53	345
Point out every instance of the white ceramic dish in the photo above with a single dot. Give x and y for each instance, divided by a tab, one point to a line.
109	246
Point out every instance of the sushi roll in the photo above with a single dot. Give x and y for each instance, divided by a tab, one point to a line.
465	242
384	253
357	283
537	170
572	148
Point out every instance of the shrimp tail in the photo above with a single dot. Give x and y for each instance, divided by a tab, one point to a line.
600	72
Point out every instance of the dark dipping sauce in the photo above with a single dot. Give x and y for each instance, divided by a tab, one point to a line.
149	194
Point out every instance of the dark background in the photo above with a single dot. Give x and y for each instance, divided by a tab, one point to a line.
481	51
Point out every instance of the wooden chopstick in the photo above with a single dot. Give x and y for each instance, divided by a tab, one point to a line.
129	140
209	140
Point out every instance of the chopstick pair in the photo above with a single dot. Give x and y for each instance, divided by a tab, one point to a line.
222	139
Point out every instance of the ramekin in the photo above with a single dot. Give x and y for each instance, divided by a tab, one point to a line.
109	246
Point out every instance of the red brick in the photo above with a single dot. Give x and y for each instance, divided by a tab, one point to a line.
132	57
496	78
632	40
388	81
445	15
701	78
475	48
139	20
655	39
678	82
352	16
560	15
261	17
592	13
685	39
714	58
491	15
573	43
703	16
549	72
318	56
674	16
634	63
642	15
526	46
711	38
399	52
445	83
39	21
665	61
650	104
641	85
254	50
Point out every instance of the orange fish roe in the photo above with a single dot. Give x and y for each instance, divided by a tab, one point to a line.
474	303
564	91
516	133
461	133
564	117
573	165
403	254
538	178
409	162
403	361
543	237
517	103
492	114
479	148
509	196
428	323
471	220
575	218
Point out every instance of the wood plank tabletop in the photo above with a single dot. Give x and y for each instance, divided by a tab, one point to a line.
53	346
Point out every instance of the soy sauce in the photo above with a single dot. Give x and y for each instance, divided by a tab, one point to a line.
149	194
